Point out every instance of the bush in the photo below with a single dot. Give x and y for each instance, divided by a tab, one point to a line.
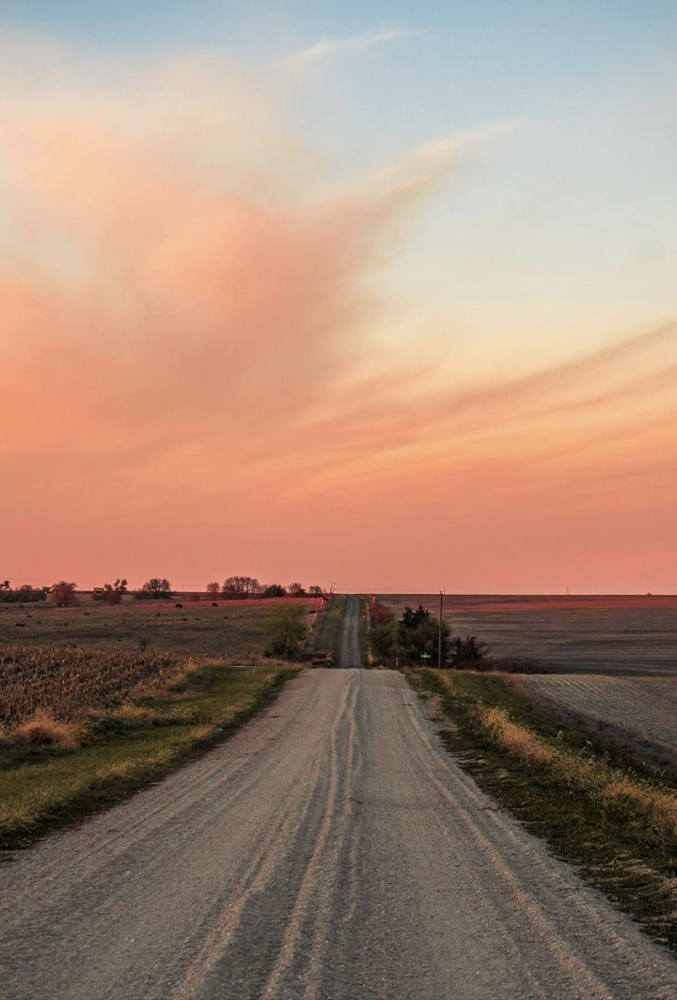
64	593
469	654
379	613
287	628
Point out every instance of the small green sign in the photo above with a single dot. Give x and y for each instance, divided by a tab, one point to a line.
425	656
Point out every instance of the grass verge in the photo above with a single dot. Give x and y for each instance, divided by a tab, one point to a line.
43	787
618	827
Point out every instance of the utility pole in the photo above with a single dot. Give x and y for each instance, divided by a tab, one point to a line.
439	634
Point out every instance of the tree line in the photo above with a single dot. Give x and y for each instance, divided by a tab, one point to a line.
65	593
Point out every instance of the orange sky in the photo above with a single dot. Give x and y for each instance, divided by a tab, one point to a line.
199	378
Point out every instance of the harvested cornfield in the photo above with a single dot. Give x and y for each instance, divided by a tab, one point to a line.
68	681
644	706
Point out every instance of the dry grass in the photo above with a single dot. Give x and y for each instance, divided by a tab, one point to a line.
513	738
620	794
43	728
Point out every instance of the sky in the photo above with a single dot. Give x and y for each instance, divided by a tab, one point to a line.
374	295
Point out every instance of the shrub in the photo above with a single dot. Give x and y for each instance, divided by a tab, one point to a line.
469	654
64	593
379	613
287	628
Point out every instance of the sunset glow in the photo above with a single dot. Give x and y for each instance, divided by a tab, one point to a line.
250	325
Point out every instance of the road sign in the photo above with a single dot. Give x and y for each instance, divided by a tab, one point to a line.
425	656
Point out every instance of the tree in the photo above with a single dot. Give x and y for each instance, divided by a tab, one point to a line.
287	628
240	587
316	591
415	633
213	588
274	590
64	593
296	590
111	593
156	589
25	594
412	619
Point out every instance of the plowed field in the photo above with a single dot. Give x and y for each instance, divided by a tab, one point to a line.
644	706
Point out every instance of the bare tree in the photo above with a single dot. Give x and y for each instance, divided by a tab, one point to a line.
241	586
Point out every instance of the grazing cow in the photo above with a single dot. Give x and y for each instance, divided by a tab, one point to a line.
179	605
214	604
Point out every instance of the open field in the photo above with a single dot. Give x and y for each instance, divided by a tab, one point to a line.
615	635
234	630
639	708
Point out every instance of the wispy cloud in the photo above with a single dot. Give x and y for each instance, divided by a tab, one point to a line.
349	44
197	372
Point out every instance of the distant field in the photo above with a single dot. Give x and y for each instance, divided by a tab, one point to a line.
645	707
616	635
234	630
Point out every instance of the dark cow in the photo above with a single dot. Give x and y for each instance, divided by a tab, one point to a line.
179	605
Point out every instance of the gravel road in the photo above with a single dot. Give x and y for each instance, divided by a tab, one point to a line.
332	850
349	653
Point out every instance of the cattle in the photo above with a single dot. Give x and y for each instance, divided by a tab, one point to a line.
214	604
179	605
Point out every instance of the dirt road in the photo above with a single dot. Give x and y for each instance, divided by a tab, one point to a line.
331	850
349	653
